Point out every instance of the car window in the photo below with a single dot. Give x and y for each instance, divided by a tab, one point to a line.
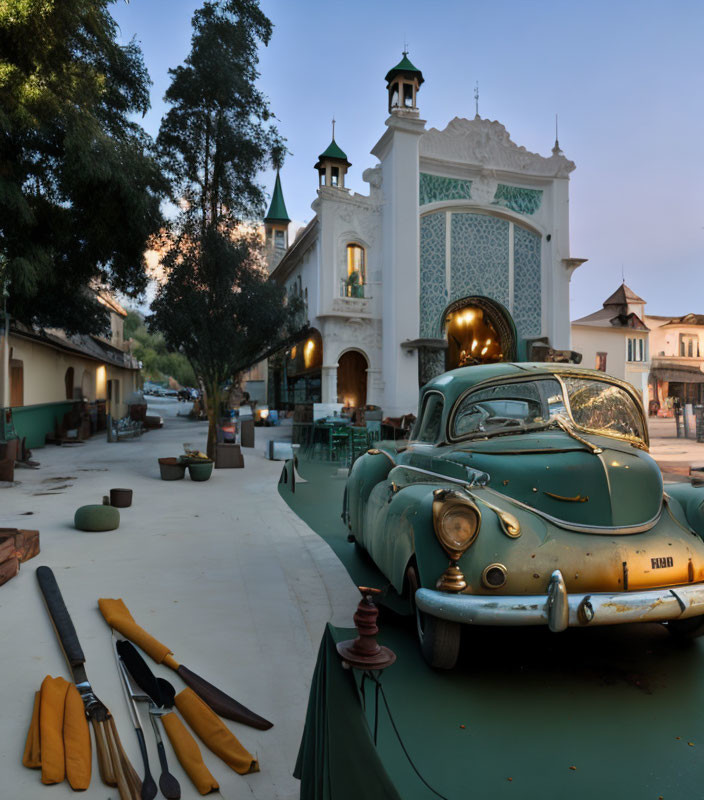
603	407
509	406
430	421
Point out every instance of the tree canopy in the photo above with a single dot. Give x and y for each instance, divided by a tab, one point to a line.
80	189
218	306
158	362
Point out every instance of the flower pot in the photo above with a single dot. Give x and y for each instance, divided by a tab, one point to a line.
121	498
171	469
201	471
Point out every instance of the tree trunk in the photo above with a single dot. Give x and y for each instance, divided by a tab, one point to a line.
213	406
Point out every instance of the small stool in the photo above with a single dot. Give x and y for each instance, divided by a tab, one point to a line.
97	518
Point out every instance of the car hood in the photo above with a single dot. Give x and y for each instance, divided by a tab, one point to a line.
551	472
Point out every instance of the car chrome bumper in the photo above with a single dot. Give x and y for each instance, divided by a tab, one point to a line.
559	610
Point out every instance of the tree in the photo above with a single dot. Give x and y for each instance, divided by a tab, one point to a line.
218	306
80	188
158	362
221	311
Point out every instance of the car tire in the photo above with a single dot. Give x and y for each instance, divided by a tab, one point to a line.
439	639
686	628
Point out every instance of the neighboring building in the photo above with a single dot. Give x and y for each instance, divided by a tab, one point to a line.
458	255
615	339
47	372
677	359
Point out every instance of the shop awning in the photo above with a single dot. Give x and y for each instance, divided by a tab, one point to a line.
678	374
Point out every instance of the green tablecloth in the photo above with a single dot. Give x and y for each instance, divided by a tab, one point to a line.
337	759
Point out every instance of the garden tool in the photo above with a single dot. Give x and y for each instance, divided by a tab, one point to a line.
162	693
115	768
167	782
117	615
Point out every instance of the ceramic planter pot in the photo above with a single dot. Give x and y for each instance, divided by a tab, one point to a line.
121	498
171	469
201	471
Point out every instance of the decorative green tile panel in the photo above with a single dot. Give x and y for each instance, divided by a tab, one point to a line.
518	199
434	188
527	306
433	292
480	253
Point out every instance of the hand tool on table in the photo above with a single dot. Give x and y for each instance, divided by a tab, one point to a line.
125	654
117	615
115	768
162	695
149	790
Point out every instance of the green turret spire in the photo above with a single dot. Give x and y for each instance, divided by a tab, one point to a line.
334	151
277	209
404	67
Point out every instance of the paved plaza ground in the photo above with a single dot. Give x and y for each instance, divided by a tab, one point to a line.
222	572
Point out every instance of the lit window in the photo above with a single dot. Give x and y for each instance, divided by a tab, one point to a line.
356	271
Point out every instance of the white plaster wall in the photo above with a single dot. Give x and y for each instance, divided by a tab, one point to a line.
45	368
589	341
666	338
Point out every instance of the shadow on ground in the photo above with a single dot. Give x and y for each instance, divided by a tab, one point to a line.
604	713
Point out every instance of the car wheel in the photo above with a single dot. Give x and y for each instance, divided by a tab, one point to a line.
439	639
686	628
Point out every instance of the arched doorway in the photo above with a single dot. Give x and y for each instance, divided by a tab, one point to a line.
352	379
478	331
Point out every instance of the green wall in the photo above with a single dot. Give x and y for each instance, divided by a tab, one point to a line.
35	422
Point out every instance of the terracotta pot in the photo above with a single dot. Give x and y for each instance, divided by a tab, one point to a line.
121	498
171	469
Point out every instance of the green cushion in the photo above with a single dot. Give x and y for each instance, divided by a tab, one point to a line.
97	518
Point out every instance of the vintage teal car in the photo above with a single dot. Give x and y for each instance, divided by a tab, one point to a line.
526	496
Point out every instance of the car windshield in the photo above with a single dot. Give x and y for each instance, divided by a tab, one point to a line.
604	408
509	407
595	405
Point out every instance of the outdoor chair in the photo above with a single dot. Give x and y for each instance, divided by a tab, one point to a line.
358	443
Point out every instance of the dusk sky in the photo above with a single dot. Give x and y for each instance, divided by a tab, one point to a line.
625	78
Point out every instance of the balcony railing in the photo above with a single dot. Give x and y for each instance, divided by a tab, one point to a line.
351	289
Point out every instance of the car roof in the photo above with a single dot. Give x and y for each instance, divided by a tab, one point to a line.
457	381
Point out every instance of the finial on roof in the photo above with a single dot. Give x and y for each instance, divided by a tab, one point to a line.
333	127
556	147
476	100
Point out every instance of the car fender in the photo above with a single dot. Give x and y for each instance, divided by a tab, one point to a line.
367	472
688	500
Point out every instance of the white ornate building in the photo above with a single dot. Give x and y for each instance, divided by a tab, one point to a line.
458	254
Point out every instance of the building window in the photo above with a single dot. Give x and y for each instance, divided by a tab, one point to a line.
408	95
353	283
636	349
16	382
279	239
600	362
334	176
689	345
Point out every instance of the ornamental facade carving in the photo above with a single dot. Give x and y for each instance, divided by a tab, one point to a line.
487	143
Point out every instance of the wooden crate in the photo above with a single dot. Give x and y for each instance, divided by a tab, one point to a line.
25	543
8	569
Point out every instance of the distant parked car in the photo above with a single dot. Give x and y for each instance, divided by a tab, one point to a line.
526	496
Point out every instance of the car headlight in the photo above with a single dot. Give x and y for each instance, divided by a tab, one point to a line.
456	520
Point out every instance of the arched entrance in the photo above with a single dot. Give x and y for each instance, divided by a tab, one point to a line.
352	379
478	331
